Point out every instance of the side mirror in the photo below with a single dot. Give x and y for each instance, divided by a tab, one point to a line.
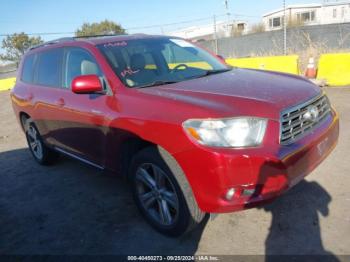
221	58
86	84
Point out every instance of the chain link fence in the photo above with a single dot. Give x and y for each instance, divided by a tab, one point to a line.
305	41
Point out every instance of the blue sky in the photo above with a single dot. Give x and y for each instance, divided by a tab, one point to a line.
34	16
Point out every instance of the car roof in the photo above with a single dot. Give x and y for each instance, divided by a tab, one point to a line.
106	39
95	40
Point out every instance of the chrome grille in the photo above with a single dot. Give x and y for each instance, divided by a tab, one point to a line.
299	120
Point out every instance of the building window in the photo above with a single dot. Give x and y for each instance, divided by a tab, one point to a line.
312	16
306	17
276	22
241	26
334	13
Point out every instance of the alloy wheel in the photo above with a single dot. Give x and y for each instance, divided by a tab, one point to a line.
34	142
157	194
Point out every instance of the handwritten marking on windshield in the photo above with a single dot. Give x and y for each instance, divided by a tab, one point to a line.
129	72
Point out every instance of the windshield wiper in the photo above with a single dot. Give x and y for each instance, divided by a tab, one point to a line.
164	82
211	72
218	71
158	83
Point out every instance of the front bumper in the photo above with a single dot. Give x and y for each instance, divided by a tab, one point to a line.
257	174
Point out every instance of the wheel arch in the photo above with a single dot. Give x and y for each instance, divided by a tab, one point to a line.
128	149
183	182
181	179
23	116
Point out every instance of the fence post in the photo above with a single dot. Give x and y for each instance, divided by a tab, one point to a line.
215	36
285	28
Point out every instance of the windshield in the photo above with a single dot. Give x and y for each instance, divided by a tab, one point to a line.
157	61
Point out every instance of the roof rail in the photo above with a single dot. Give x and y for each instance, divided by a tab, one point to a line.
64	39
55	41
94	36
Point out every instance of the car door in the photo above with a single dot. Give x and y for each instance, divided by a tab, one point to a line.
84	126
46	93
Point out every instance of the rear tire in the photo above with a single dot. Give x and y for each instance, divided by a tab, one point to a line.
41	153
162	193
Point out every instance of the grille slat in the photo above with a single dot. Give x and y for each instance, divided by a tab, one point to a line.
294	123
294	115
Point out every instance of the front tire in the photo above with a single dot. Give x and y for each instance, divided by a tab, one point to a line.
41	153
159	195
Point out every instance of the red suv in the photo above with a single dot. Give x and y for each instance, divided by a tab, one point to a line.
193	135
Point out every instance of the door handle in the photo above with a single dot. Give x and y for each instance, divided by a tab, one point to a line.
96	112
60	102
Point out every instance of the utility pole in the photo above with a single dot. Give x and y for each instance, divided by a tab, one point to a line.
285	28
228	14
215	36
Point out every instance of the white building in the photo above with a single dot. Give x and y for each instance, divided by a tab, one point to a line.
309	14
207	32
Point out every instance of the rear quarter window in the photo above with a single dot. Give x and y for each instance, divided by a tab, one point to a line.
49	65
28	69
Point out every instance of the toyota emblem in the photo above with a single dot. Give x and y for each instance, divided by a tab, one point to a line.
311	114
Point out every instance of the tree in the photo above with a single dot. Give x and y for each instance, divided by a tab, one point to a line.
257	28
15	46
105	27
293	22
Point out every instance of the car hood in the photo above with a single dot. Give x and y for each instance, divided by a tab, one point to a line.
227	91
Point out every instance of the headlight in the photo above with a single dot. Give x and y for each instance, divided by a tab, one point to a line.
228	132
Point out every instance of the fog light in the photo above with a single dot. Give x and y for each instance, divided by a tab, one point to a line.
230	193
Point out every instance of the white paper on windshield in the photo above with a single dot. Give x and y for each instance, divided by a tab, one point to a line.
181	43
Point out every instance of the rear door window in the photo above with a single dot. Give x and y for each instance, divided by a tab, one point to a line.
49	68
28	69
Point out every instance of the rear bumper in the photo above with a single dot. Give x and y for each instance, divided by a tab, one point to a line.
257	175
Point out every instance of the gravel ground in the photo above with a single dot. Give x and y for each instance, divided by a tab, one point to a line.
71	208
